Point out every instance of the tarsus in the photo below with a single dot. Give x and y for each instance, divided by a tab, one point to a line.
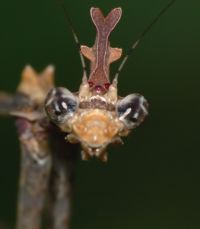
69	23
146	30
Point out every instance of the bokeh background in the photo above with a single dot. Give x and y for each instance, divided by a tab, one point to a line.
153	180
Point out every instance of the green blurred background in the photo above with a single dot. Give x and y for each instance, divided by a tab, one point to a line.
153	180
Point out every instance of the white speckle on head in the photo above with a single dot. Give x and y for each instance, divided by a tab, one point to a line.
51	97
95	138
57	107
125	114
64	105
136	115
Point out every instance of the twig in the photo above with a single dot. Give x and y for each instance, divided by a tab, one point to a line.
37	173
34	174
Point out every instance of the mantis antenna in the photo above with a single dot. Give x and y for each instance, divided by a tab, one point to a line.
145	31
69	23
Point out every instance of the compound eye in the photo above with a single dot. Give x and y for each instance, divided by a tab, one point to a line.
132	110
60	105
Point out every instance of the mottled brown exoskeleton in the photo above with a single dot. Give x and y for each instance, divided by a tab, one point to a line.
96	116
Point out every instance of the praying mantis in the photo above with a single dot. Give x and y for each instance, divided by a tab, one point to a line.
50	120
